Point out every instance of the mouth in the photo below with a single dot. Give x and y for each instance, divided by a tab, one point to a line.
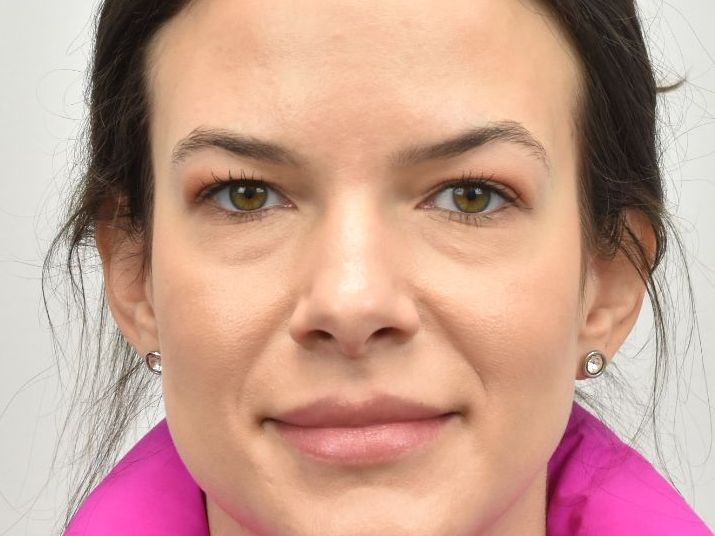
381	429
377	443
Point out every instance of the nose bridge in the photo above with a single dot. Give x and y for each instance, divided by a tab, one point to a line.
352	292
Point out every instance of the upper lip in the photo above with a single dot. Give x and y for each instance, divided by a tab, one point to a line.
338	412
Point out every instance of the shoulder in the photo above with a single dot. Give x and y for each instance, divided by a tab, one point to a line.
599	485
149	492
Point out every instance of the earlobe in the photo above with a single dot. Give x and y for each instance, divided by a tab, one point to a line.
127	285
615	290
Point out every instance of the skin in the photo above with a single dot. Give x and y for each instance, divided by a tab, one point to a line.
353	284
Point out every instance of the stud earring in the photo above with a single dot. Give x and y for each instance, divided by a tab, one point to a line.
153	362
594	364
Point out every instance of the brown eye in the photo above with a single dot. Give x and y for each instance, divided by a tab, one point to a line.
247	197
471	198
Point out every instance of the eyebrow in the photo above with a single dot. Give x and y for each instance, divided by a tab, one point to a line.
473	138
271	152
233	142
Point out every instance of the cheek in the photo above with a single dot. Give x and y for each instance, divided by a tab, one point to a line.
514	311
529	329
516	322
213	323
214	319
526	347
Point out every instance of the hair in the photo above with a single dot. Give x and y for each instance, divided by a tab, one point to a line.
619	169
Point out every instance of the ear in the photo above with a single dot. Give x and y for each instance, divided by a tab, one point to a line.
127	284
614	293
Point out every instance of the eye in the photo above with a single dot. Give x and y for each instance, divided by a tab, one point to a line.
473	198
245	195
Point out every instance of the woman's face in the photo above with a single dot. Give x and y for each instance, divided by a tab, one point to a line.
362	276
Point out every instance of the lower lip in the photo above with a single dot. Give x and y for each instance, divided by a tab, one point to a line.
365	444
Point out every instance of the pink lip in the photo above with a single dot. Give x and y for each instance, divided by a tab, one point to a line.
380	429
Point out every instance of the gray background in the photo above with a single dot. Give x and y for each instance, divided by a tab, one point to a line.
44	48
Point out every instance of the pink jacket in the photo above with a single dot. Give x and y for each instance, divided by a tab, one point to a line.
597	485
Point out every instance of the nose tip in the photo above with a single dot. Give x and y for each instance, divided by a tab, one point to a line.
352	326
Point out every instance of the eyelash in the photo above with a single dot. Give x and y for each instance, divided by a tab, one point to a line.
467	180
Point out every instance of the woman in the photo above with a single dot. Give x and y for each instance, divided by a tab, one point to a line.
369	247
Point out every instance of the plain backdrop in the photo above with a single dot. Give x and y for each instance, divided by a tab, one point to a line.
44	50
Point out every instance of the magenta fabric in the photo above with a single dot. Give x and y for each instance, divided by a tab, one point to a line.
597	485
149	492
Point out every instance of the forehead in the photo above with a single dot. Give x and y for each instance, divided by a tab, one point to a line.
337	79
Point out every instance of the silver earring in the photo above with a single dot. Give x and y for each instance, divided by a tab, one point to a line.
153	362
594	364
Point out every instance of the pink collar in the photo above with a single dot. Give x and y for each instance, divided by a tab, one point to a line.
597	485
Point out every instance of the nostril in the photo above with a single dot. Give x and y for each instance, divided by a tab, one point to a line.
382	332
324	335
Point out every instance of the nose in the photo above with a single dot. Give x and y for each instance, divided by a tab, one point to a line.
354	289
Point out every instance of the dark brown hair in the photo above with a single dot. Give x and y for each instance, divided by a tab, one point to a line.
619	170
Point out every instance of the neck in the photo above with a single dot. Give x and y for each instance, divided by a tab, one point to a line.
221	524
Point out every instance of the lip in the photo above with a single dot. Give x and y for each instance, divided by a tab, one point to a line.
378	430
338	412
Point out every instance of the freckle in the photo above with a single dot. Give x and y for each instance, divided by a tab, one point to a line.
338	36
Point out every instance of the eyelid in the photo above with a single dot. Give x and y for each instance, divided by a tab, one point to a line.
469	179
217	183
481	181
209	188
